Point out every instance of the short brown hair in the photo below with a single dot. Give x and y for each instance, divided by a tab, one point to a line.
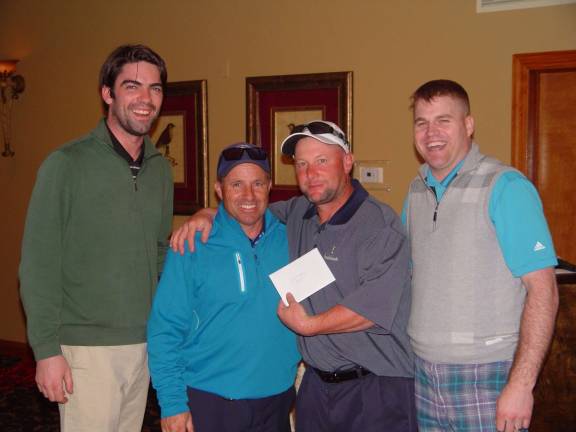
441	87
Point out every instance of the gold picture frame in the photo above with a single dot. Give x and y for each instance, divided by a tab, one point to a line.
181	135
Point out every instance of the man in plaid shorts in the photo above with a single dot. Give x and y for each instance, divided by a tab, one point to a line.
484	291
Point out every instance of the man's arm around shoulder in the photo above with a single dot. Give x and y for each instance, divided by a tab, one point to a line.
203	219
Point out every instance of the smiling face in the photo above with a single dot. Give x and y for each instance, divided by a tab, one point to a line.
244	192
136	100
442	133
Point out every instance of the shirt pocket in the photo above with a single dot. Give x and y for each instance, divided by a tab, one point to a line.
227	280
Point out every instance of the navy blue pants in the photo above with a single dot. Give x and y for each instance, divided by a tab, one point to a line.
367	404
212	413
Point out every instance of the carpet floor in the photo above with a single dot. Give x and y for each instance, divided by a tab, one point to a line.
24	409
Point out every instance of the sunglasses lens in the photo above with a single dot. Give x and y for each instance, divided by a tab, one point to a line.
233	153
320	128
317	127
236	153
298	128
256	153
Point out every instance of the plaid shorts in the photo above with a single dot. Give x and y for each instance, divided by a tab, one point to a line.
458	397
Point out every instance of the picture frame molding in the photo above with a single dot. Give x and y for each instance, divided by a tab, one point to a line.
189	98
329	93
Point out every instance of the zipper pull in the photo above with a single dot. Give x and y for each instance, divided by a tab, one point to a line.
435	208
240	273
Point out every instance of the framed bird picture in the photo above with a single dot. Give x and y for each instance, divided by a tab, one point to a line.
181	136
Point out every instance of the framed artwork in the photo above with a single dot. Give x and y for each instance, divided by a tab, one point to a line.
181	136
275	104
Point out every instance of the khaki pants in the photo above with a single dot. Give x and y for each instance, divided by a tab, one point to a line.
110	388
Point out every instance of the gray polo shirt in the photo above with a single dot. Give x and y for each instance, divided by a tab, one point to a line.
367	250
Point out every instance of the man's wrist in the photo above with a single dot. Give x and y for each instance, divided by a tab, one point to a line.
521	384
314	325
46	350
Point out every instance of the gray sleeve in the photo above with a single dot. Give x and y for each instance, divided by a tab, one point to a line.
384	278
282	209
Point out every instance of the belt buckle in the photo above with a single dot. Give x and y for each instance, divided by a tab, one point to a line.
333	377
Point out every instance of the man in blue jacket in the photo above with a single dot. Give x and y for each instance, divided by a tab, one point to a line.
219	357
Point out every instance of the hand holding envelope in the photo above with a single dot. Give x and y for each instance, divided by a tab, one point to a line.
303	276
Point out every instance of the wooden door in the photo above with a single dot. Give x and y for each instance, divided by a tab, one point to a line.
544	148
544	137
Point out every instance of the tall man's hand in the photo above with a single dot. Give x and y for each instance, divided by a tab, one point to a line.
200	221
177	423
53	376
514	406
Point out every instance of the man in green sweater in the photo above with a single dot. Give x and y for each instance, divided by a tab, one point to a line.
94	244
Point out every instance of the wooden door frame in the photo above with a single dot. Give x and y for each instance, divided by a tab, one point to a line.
525	93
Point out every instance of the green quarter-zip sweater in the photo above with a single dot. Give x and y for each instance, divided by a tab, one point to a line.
94	244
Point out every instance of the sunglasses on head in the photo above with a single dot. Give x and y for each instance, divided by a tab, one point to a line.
317	127
235	153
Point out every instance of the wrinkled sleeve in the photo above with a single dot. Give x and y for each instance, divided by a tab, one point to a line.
384	278
169	323
40	270
280	209
283	209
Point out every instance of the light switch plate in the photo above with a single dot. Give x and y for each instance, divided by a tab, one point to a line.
372	174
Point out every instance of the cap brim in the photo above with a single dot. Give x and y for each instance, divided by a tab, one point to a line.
289	144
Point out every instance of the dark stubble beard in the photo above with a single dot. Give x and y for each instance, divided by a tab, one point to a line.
327	196
134	127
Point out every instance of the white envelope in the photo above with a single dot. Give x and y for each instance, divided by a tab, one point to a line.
303	276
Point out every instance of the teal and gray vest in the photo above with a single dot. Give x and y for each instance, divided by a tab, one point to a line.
466	304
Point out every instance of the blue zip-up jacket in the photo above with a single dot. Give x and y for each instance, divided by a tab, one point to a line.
214	326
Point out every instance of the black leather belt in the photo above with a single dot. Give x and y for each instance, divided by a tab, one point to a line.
339	376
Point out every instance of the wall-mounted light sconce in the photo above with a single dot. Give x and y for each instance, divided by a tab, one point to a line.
11	85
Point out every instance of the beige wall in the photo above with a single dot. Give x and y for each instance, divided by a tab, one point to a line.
391	45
